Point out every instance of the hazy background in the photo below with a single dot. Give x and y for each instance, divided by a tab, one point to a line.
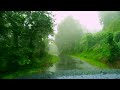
89	19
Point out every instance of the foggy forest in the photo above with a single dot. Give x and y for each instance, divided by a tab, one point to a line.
59	44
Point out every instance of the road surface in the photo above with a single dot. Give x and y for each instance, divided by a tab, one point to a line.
74	68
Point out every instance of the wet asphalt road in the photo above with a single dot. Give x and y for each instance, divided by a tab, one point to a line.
74	68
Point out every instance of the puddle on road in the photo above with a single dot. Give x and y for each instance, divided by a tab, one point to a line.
66	63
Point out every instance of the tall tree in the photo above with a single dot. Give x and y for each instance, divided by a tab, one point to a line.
23	36
69	35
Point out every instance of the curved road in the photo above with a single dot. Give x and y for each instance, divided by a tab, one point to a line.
74	68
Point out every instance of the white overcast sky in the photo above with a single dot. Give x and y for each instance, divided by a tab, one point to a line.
89	19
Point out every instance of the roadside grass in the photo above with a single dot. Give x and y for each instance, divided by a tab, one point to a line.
22	73
40	67
91	60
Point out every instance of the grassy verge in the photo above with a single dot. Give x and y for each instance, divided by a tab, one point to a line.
22	73
40	67
91	61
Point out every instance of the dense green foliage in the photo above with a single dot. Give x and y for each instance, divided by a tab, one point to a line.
23	39
103	46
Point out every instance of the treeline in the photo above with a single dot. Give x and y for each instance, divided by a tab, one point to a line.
23	39
104	45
